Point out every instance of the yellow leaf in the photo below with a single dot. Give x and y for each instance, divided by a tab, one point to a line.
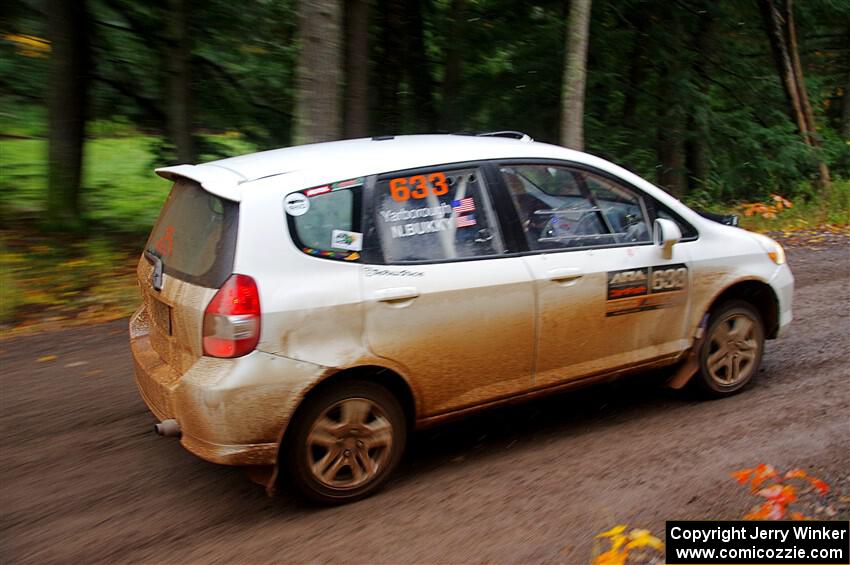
615	531
611	557
46	358
643	538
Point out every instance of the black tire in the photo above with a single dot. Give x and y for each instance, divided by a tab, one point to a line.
727	372
351	442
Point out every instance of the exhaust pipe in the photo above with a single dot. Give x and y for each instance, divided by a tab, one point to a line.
168	428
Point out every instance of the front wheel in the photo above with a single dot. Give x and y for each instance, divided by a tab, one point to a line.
732	350
345	442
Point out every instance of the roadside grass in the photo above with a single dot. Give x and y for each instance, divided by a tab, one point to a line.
120	191
46	283
49	281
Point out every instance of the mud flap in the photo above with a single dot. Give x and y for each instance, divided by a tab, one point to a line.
262	475
690	366
271	482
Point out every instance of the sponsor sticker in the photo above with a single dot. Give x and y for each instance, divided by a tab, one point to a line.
318	190
350	240
351	183
628	283
296	204
375	272
646	288
415	213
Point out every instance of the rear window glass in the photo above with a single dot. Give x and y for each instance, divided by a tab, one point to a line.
325	220
436	216
195	235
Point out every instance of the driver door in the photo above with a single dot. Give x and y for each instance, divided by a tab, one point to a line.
604	297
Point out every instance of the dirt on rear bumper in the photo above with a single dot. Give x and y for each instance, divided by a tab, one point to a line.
230	411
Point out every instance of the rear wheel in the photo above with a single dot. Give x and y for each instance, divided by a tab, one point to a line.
732	350
345	442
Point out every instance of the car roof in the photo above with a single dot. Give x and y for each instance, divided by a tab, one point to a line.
360	157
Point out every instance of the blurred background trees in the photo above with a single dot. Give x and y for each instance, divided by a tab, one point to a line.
715	101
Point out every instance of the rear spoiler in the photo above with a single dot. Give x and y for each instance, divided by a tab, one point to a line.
214	179
727	219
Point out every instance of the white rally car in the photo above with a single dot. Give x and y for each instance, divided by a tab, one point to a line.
304	308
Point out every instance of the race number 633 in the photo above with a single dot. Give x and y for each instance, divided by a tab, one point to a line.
418	186
669	279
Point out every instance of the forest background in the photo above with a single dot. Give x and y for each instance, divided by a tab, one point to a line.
733	106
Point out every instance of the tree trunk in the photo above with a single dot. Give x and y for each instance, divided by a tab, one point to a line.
179	103
696	154
774	27
696	141
637	69
357	68
575	75
67	96
672	171
317	105
389	77
671	152
451	115
793	50
783	44
419	69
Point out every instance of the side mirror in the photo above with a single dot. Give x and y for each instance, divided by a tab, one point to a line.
666	234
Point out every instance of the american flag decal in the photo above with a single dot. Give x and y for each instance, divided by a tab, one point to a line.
465	205
465	221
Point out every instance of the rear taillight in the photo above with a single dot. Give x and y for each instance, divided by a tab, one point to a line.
232	319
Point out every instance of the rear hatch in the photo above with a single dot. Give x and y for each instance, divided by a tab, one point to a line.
188	256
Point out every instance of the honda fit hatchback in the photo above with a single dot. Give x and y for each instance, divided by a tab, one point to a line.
305	308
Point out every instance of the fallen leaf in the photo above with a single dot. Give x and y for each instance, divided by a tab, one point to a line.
643	538
616	530
819	485
46	358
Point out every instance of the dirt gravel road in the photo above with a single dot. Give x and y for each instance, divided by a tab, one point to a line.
83	478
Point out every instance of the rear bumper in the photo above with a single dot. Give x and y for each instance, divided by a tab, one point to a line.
230	411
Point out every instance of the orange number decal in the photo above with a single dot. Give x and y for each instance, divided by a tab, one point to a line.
421	190
165	245
399	190
438	183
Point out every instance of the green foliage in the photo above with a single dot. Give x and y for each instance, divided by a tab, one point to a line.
121	193
699	69
695	71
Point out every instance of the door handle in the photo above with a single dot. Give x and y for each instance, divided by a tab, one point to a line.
397	294
565	276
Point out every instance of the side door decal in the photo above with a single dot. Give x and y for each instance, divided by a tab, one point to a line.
646	288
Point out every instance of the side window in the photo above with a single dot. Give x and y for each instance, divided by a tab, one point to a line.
434	216
688	231
623	210
562	208
325	221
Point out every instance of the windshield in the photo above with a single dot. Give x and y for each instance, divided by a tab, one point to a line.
195	235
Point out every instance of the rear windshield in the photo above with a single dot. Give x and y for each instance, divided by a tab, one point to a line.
195	235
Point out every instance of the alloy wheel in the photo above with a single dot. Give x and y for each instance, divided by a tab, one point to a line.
349	443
